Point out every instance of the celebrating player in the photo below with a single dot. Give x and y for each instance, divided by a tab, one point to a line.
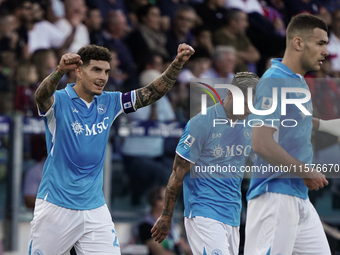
212	205
70	207
280	217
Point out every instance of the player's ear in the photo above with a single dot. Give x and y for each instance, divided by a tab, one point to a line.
298	43
78	71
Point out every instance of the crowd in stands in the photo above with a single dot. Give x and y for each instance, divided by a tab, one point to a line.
143	35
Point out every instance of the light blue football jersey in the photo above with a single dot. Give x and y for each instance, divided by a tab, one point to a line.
76	138
295	140
218	195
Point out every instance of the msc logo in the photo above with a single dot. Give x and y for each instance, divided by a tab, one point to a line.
231	151
95	129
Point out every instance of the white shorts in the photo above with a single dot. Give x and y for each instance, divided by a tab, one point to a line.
54	230
211	237
283	225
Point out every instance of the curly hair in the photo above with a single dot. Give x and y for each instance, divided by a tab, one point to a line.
94	52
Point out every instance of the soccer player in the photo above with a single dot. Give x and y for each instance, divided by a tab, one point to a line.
280	217
212	205
70	208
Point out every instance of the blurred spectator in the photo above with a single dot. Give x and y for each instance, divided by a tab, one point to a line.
133	6
212	13
43	34
223	66
113	35
155	61
144	157
33	175
105	6
45	62
116	76
198	64
26	82
333	46
94	23
174	243
72	26
8	34
326	104
148	36
203	38
169	8
275	18
184	21
233	34
314	7
6	103
22	11
247	6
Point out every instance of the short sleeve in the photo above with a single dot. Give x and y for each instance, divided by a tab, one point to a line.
264	100
192	141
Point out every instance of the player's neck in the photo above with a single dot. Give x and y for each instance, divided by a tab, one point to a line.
293	64
82	93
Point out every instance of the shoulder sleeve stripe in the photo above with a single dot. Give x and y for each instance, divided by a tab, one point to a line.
185	158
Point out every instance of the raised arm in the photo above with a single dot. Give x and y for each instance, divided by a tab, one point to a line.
44	93
268	149
163	224
159	87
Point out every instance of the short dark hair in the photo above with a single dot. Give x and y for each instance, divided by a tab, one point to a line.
245	80
304	23
94	52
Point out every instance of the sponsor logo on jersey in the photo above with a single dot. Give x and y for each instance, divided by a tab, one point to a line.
189	140
101	109
216	135
217	151
77	128
231	151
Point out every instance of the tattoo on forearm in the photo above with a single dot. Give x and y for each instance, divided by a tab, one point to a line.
171	194
158	88
48	86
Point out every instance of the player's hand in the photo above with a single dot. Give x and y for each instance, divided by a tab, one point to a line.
316	181
69	61
184	52
161	228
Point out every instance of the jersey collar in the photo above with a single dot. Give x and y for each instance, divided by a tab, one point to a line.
277	63
220	112
70	91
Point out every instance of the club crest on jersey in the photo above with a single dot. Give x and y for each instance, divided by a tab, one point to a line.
189	140
267	103
38	252
216	252
101	109
77	128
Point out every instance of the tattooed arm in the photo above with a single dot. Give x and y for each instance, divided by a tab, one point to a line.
44	93
159	87
163	224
